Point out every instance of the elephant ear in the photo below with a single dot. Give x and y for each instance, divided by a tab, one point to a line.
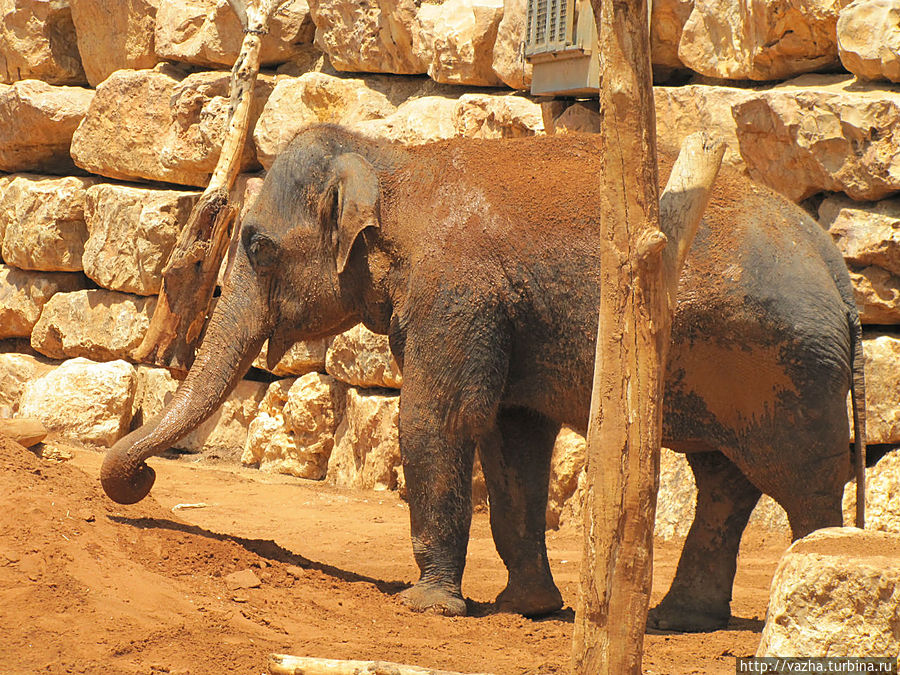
357	202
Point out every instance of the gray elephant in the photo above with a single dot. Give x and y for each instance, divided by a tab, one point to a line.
479	259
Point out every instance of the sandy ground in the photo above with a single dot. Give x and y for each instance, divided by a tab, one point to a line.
87	586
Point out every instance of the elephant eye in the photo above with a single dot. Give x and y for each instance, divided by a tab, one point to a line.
261	249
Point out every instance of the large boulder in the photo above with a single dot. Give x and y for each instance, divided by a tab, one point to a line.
868	34
97	324
37	121
16	371
303	357
114	35
294	432
366	452
882	495
208	32
836	592
756	40
161	125
224	434
376	36
822	133
42	222
882	352
667	21
314	97
458	38
23	296
509	62
88	402
131	232
418	120
497	116
363	359
868	235
37	41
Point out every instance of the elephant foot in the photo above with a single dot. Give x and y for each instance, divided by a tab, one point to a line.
530	599
670	616
435	599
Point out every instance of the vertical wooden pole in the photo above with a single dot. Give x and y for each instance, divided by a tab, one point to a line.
639	275
189	277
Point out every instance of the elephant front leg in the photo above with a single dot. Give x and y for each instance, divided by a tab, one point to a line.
516	463
437	463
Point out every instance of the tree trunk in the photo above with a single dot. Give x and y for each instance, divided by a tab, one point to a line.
189	277
639	276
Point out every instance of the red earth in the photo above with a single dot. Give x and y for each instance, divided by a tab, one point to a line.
88	586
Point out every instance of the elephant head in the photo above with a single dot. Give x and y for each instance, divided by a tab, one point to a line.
288	280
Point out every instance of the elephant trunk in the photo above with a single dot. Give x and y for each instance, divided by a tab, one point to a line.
235	334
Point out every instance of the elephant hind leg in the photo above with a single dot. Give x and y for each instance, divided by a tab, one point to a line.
700	596
516	463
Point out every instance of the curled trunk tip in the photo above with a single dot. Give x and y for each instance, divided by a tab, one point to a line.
124	481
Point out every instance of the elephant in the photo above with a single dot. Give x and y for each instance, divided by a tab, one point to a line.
479	259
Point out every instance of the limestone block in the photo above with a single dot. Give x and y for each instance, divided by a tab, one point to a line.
416	121
314	97
497	116
23	295
868	37
366	451
16	371
667	21
294	430
882	352
882	495
224	434
114	35
131	232
868	235
82	400
43	222
37	121
208	32
363	359
458	40
378	36
160	125
566	479
509	61
97	324
836	592
760	39
302	358
37	42
822	133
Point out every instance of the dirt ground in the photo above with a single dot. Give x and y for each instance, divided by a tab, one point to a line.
87	586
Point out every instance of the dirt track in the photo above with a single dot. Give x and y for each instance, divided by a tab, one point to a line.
87	586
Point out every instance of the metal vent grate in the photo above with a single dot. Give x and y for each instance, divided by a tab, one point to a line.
549	26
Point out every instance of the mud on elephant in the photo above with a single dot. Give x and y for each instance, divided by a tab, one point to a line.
479	260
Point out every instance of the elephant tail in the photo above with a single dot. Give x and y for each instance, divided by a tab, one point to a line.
858	404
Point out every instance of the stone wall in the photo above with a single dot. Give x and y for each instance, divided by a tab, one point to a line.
111	118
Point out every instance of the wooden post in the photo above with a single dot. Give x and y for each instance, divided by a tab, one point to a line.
189	277
285	664
640	265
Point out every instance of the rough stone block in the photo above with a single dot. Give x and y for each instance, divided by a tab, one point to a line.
37	42
24	294
868	37
114	35
836	592
131	232
42	222
366	451
363	359
294	432
16	371
96	324
208	32
82	400
161	125
37	122
497	116
300	359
